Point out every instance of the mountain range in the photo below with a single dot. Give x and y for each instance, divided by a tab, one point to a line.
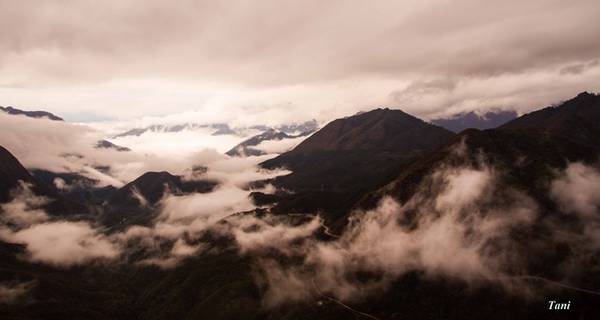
222	128
32	114
349	167
248	146
472	120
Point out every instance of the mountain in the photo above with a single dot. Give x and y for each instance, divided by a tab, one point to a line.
138	197
74	187
12	173
576	119
526	155
245	147
472	120
528	149
219	283
351	156
379	130
223	128
105	144
299	128
152	185
219	129
31	114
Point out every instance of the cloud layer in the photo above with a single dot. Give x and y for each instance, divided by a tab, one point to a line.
284	60
55	242
460	231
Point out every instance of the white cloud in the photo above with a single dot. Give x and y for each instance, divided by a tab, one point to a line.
452	235
577	189
63	243
25	207
60	243
279	146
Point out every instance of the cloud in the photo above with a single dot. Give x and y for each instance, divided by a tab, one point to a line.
183	219
60	184
434	96
59	243
460	224
460	231
63	243
254	234
279	146
178	144
64	147
25	207
576	192
12	292
576	189
306	61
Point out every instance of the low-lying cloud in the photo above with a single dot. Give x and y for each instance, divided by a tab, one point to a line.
55	242
183	219
65	147
461	232
576	190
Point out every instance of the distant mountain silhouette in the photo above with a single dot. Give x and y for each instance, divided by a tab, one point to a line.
219	129
472	120
31	114
245	148
299	128
105	144
222	128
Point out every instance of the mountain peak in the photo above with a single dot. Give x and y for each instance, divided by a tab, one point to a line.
575	119
152	186
583	98
378	129
585	94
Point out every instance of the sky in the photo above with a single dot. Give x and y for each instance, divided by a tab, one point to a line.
279	61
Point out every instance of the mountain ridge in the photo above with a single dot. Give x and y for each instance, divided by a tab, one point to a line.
331	168
471	120
31	114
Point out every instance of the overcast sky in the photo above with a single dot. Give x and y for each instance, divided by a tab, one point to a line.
281	61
